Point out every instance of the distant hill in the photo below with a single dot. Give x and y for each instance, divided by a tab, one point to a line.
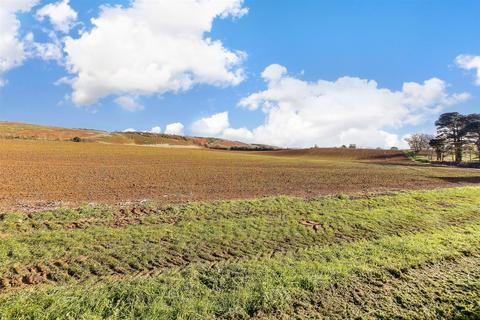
18	130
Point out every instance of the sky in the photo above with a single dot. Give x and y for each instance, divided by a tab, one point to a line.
286	73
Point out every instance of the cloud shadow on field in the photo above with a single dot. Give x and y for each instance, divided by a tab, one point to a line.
399	163
461	180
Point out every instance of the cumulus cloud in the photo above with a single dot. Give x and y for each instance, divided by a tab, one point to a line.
174	128
152	47
12	47
130	130
60	14
470	62
274	72
331	113
211	126
156	130
128	103
241	134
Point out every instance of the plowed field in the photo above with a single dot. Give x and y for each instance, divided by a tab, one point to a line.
43	172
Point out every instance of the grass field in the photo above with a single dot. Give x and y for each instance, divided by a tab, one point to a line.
408	255
44	172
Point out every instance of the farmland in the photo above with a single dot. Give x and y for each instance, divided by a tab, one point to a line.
42	172
113	231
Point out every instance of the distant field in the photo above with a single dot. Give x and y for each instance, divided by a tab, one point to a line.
412	255
341	154
43	172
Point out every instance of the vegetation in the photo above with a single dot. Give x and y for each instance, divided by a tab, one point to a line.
451	129
457	135
335	257
419	142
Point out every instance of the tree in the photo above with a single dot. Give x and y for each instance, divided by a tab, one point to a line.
419	142
439	146
451	127
472	130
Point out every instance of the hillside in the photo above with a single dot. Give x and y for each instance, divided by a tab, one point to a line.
17	130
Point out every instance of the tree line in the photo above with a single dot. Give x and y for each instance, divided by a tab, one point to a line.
456	133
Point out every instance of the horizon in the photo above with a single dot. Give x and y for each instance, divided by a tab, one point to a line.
284	74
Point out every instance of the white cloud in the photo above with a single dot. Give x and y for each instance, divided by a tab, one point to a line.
45	51
211	126
241	134
152	47
12	47
60	14
174	128
274	72
128	103
130	130
48	51
156	129
470	62
331	113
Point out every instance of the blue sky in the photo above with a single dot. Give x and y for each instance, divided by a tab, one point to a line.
390	42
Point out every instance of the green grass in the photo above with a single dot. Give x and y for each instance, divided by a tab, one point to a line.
253	258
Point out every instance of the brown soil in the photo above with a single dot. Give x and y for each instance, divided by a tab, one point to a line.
342	154
66	173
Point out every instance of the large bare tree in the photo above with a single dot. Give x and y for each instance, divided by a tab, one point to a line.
419	141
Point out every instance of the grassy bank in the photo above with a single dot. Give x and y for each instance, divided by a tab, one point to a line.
338	257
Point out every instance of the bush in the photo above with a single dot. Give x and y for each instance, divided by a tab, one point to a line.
76	139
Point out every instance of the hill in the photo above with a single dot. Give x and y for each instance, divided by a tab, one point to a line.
17	130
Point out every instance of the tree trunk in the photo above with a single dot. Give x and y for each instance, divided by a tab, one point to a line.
478	149
458	153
